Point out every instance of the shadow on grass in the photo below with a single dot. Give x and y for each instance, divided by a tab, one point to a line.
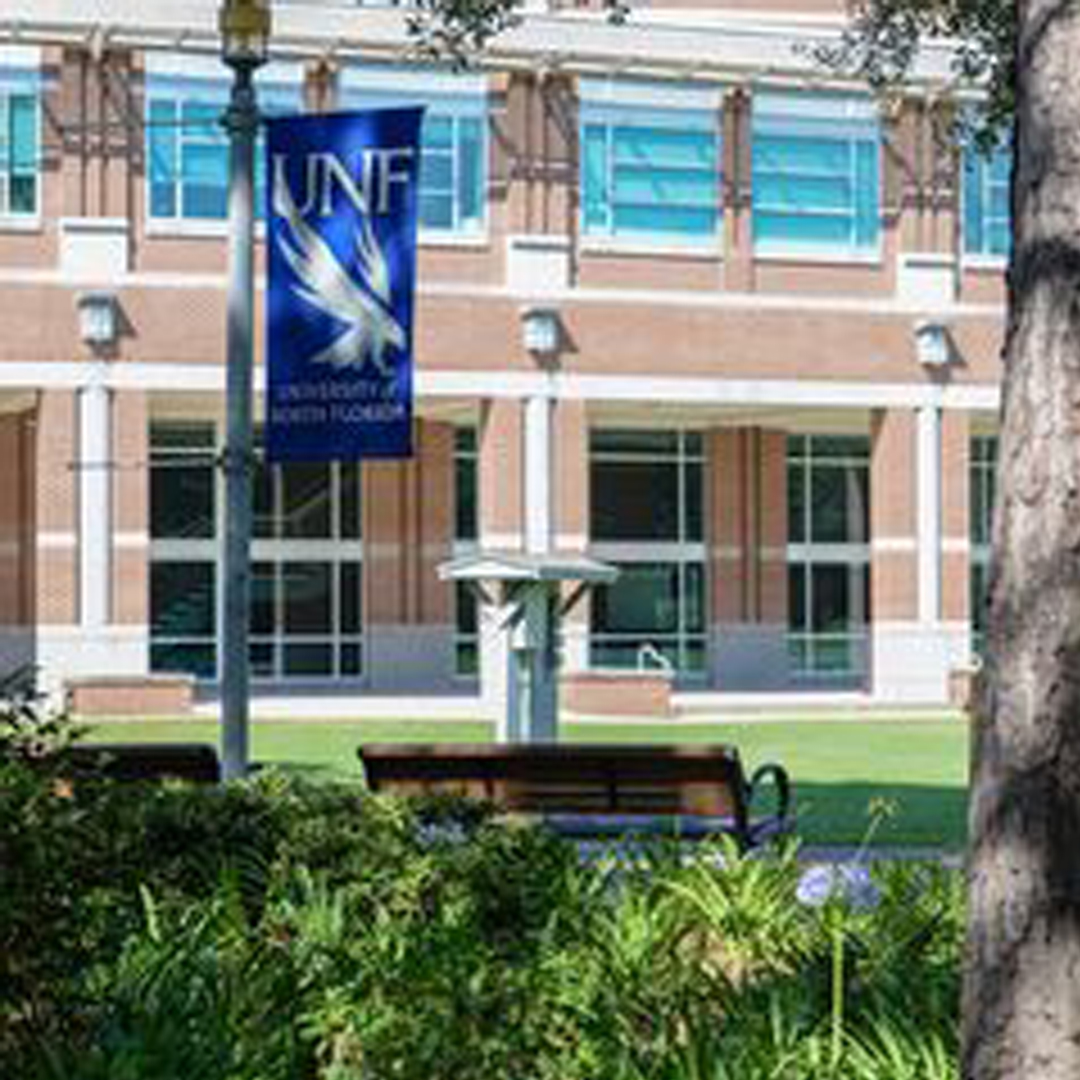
320	772
839	813
827	813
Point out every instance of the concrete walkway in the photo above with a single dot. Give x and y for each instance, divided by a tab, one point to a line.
817	853
690	709
357	707
808	854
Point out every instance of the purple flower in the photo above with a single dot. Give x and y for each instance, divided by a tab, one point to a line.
438	834
850	883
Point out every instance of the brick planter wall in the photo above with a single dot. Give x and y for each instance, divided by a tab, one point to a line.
142	695
618	693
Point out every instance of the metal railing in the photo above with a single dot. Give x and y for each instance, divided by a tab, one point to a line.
650	658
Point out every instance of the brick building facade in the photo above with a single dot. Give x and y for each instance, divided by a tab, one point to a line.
741	252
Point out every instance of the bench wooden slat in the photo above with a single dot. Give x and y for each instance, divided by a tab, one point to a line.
576	782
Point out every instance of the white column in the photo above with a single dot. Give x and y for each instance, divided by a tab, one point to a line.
543	664
928	454
498	687
95	501
538	652
538	463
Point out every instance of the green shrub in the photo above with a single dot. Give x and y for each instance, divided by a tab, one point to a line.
272	930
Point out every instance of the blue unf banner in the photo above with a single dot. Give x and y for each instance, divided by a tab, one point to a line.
341	231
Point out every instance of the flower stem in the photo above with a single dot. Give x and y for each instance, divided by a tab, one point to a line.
836	1043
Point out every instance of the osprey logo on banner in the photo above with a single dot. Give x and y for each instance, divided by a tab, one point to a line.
341	230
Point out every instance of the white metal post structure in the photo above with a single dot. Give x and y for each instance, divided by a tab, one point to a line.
245	35
527	588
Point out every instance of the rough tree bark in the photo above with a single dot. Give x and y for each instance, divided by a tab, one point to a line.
1022	973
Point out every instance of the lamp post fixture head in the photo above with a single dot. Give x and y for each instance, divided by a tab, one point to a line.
99	323
245	32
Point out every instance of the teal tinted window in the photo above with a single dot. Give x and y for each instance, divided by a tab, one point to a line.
187	153
162	165
187	148
20	151
453	155
641	177
451	173
987	217
204	162
816	179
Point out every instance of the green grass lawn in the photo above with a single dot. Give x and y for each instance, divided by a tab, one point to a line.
837	767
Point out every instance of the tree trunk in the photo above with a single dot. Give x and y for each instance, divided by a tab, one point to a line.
1022	972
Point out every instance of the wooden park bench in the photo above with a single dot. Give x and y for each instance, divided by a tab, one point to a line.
585	790
197	762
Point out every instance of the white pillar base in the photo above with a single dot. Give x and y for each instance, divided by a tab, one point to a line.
749	656
70	652
16	648
403	659
911	662
575	646
494	664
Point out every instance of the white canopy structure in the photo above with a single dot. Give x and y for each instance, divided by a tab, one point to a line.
529	591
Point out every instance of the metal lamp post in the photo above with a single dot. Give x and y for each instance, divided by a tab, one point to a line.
245	36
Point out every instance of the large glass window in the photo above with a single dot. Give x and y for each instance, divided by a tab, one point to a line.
20	143
187	149
452	173
306	613
646	485
653	614
182	481
454	144
987	217
306	618
307	501
466	531
828	554
647	518
982	479
650	174
466	631
816	175
183	617
828	489
466	469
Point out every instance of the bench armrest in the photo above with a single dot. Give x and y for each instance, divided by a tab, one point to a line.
778	776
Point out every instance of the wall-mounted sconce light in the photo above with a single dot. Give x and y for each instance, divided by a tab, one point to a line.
933	346
540	330
99	319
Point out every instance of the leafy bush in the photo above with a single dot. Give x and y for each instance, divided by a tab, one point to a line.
272	930
31	728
